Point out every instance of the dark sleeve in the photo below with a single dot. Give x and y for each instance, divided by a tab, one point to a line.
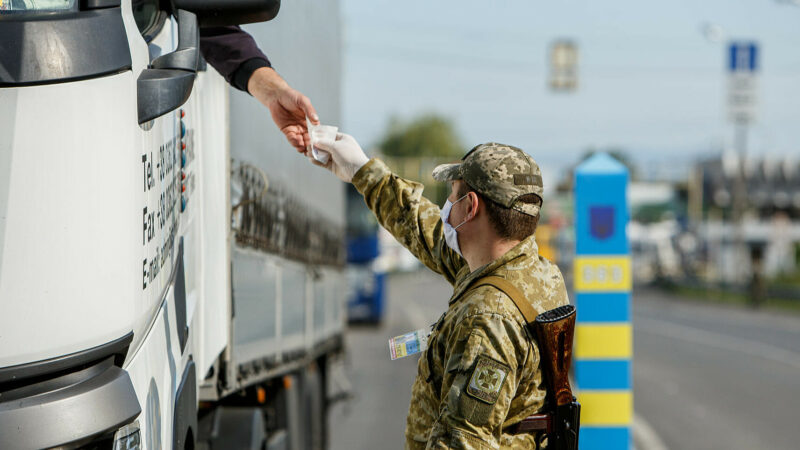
233	53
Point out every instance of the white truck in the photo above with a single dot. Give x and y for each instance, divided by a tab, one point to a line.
170	268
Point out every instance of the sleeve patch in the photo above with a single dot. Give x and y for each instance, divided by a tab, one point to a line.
487	380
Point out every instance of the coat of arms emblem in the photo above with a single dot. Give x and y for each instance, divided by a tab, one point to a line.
601	221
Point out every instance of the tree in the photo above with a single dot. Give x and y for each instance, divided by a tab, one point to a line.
426	135
415	147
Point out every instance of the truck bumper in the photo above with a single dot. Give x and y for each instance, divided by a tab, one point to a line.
73	405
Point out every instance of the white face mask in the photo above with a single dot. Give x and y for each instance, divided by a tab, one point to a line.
450	233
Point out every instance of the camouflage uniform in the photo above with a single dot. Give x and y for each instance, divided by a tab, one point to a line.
481	371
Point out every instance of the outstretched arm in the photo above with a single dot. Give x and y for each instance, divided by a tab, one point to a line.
397	203
288	107
236	56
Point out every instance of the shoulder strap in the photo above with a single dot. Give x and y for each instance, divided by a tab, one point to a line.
515	294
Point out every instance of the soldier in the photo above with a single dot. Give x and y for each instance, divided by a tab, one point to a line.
481	373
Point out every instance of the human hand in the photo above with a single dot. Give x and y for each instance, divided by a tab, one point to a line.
288	107
346	156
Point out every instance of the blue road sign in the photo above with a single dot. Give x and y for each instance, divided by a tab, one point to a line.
743	65
743	57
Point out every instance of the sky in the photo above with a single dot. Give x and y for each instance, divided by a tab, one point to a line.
650	80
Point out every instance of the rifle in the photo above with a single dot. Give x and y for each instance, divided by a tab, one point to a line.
554	330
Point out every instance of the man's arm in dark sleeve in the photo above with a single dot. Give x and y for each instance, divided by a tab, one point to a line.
236	56
233	52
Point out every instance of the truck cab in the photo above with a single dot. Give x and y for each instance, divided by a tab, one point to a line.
118	253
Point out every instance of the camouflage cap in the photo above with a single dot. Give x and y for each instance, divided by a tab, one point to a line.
500	172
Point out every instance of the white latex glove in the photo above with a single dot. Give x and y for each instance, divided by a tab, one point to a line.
346	156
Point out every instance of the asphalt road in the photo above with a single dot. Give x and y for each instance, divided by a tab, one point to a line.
714	377
376	416
705	377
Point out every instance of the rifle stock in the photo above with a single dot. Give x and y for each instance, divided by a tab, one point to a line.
554	331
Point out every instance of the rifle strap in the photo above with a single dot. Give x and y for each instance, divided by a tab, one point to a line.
537	422
513	293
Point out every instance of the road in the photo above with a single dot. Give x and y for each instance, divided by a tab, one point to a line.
714	377
376	417
705	377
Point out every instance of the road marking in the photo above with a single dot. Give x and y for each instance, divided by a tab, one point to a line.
718	340
644	436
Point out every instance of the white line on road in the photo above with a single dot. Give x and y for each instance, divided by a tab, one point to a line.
644	436
718	340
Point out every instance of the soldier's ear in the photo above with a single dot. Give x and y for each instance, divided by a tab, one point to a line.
473	208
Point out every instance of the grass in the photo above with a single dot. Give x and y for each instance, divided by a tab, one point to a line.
788	280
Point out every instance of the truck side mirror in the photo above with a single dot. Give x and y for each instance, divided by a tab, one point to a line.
161	91
230	12
167	84
185	56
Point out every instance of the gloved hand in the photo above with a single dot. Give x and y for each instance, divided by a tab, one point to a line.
346	156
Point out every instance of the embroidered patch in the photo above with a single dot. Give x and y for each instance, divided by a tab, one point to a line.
487	380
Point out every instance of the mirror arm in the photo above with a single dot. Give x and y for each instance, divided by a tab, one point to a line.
167	84
185	57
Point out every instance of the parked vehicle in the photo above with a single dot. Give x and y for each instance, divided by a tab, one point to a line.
366	276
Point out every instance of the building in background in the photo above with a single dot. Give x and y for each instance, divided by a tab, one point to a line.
771	217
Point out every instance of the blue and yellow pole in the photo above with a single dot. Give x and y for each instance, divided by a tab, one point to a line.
603	348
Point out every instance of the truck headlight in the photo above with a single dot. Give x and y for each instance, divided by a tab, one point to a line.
128	437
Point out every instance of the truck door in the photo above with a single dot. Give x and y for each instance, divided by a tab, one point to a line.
159	156
187	201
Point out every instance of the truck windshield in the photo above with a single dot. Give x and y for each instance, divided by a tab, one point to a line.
15	6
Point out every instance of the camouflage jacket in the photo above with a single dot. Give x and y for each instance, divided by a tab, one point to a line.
481	372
